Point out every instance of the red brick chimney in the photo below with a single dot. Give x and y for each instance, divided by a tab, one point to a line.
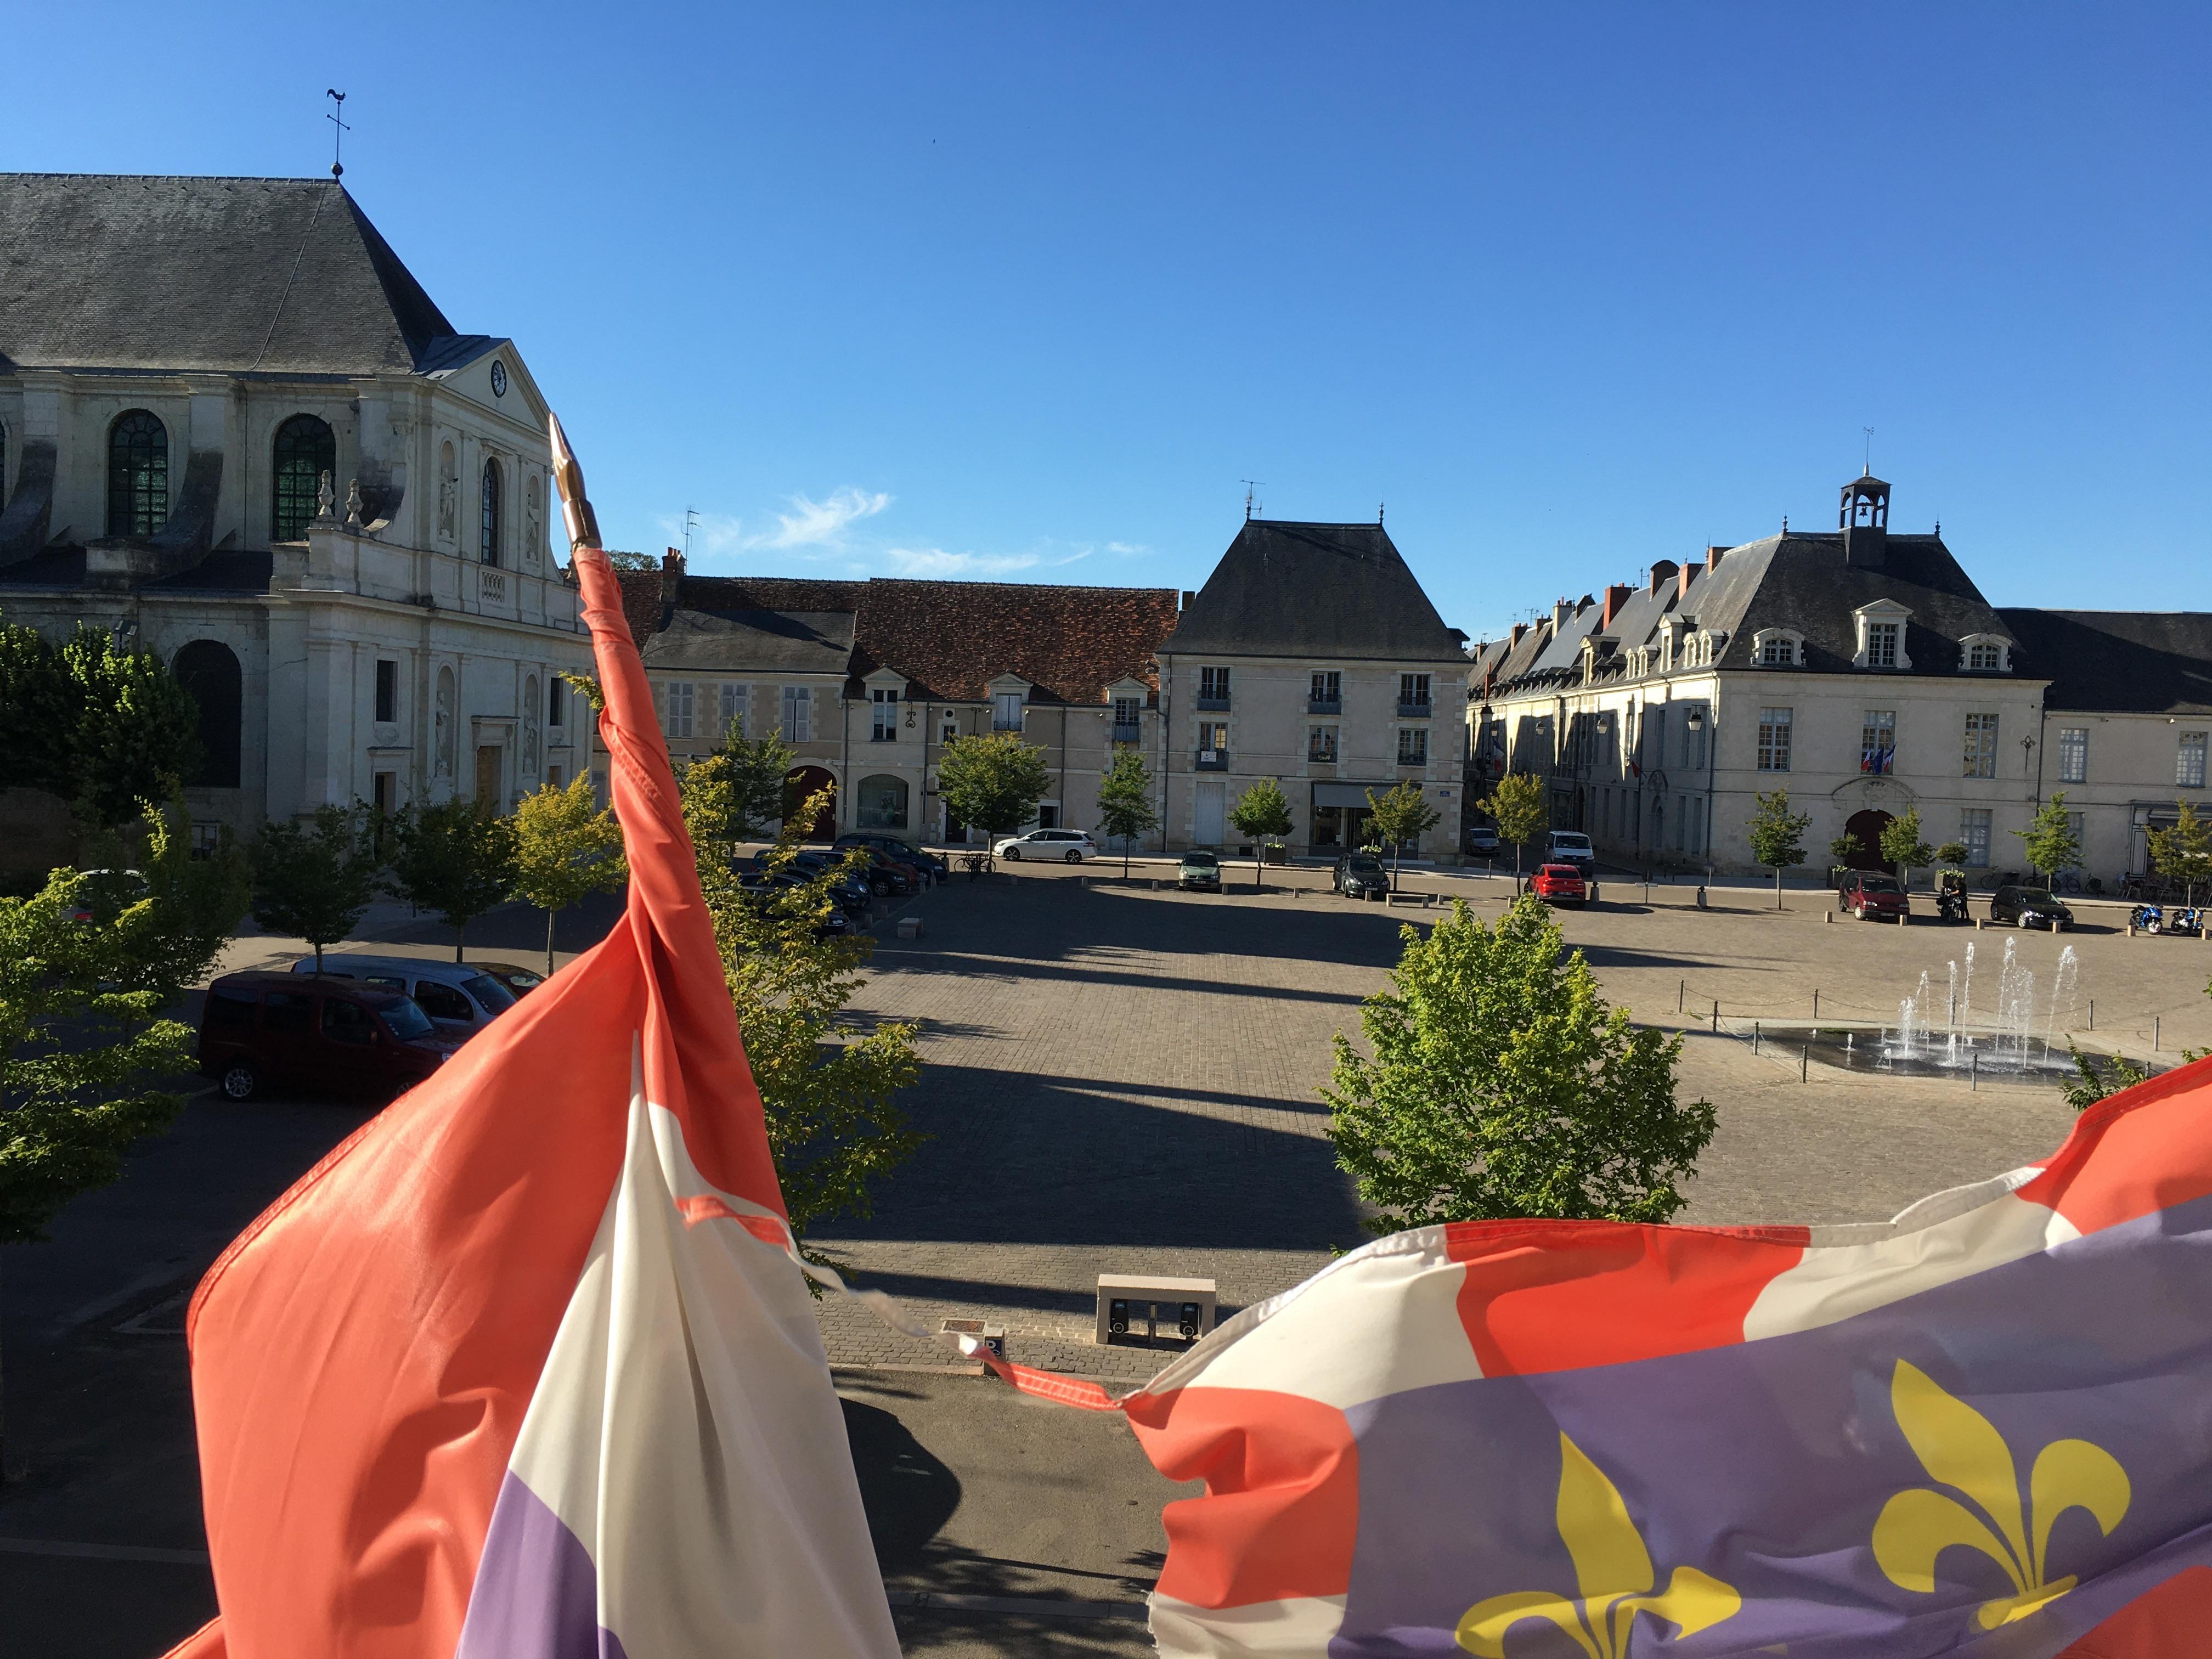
1615	597
1662	572
1519	629
671	576
1690	574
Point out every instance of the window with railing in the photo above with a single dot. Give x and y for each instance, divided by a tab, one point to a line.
1413	696
2073	754
1321	744
1129	718
1774	728
1213	688
1006	711
2189	762
1213	743
885	700
1981	748
1878	741
1325	694
1413	745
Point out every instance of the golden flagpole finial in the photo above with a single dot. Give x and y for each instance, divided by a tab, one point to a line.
568	477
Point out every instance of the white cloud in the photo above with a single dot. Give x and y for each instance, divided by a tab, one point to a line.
1127	549
936	561
822	524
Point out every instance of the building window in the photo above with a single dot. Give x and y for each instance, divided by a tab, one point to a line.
1974	835
556	702
2077	825
884	701
734	701
1212	737
305	452
882	802
679	702
1413	688
2189	762
1006	711
137	475
1774	739
209	671
1778	651
952	728
1984	656
1694	736
1878	741
798	714
1413	745
384	794
1129	715
2073	754
1328	688
1321	744
488	533
1882	645
1213	688
387	690
1981	746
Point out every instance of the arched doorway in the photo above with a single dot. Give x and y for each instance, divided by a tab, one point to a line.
802	781
1867	826
208	670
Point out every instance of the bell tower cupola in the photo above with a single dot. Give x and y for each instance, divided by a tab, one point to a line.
1864	520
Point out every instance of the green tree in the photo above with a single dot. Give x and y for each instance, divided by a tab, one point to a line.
833	1121
2184	853
1399	817
194	903
1952	852
1903	846
135	737
1125	801
735	794
1777	835
993	783
454	860
39	708
1844	848
1261	812
2049	842
1515	806
567	847
314	880
1499	1083
2093	1082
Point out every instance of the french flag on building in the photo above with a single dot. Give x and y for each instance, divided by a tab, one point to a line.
525	1369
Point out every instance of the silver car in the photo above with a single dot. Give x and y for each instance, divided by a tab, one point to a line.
1067	846
460	998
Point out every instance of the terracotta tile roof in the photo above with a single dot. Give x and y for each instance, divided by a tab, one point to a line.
950	639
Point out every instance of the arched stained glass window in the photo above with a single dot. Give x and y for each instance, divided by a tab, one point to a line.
305	451
487	541
137	475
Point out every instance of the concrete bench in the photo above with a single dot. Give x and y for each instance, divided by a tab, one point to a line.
1185	1305
1422	899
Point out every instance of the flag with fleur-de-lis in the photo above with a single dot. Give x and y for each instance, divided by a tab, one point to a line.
1983	1428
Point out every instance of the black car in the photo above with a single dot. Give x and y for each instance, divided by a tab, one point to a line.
850	886
770	885
2028	906
1361	876
934	865
886	877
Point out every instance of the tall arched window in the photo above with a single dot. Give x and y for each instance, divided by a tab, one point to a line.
137	475
207	669
305	451
488	540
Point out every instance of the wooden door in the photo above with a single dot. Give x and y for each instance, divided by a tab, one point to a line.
488	796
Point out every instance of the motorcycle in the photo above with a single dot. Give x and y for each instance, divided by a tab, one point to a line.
2185	919
2151	918
1951	904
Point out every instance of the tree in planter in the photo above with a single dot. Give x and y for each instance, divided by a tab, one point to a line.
2049	842
1124	802
1260	812
1499	1083
567	847
134	734
314	880
454	860
1777	835
735	794
993	782
833	1122
1517	807
1403	815
1953	854
2184	853
1903	846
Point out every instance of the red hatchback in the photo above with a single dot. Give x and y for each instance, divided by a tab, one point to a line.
332	1034
1873	895
1559	883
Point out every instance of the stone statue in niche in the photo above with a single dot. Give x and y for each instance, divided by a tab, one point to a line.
529	745
326	499
444	743
449	489
530	531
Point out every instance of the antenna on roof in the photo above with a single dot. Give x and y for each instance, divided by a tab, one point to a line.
1378	513
1865	471
690	517
338	138
1251	484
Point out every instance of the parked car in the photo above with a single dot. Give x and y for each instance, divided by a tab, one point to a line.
1069	845
342	1035
1571	847
104	894
1559	883
1482	841
1199	869
517	979
1360	876
885	876
833	923
460	997
851	888
2028	906
1872	893
935	864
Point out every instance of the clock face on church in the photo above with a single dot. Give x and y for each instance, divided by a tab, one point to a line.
498	379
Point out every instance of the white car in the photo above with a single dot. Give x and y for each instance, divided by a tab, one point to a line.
1068	846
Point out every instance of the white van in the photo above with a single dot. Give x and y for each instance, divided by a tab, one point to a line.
460	998
1571	847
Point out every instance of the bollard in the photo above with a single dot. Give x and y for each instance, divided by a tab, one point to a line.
1827	915
1816	1002
2154	1034
1805	1063
2092	1013
1754	1036
1716	1019
1974	1070
1681	992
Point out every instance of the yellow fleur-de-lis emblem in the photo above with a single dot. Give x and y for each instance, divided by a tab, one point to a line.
1961	1449
1612	1570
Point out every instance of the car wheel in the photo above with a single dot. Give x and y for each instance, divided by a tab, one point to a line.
1073	857
240	1081
1012	854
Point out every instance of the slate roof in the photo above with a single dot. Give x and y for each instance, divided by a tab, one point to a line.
2148	662
230	571
779	642
948	639
1331	591
269	276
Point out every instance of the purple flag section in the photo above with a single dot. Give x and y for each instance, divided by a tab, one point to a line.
536	1593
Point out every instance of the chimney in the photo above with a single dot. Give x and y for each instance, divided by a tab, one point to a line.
1519	629
1188	594
1561	611
1690	574
1615	597
671	576
1662	572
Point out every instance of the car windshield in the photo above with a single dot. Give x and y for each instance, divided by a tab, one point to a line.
1364	865
405	1021
1880	884
489	992
1202	861
1572	843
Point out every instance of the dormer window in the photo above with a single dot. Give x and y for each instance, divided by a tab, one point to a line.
1777	647
1882	642
1984	653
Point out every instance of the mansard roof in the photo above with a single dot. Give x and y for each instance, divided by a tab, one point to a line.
267	275
1330	592
2152	662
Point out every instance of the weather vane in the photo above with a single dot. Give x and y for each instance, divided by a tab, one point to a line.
1866	467
338	138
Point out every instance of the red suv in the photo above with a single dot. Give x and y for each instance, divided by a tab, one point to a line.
1872	894
1559	883
321	1034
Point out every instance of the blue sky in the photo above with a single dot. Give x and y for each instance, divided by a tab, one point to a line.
1026	291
